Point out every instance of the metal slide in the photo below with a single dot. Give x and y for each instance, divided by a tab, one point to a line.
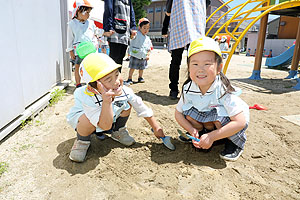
261	8
283	59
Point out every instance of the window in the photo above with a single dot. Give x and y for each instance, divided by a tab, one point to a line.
150	10
158	9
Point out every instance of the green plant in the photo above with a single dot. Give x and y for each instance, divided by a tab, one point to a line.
22	148
3	167
25	122
56	96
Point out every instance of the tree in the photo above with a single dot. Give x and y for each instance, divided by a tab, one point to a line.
138	6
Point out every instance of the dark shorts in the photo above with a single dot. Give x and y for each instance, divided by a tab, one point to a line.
78	60
136	63
238	139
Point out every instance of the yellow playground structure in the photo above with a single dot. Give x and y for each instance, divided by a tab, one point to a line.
260	10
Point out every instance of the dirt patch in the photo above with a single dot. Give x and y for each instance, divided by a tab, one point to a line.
39	167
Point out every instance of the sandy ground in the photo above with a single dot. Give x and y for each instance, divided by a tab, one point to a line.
269	168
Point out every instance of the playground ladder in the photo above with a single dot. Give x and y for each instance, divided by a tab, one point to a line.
261	8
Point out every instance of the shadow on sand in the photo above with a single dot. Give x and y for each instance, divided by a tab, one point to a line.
185	153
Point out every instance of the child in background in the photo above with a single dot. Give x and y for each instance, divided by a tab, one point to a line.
103	43
104	105
80	29
207	102
139	51
224	46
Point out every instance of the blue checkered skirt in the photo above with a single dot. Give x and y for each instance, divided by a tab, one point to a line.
136	63
239	138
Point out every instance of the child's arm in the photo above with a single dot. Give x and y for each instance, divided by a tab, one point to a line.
158	131
70	38
185	123
144	111
106	115
236	124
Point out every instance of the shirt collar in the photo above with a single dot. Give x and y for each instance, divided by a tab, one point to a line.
193	88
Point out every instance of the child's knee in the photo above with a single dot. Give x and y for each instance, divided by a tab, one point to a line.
84	126
209	125
125	113
195	123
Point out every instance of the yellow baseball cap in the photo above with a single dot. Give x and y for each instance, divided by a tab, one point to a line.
204	44
95	66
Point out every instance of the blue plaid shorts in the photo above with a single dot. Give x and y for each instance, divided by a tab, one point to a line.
238	139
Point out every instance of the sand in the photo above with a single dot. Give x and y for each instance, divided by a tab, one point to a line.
269	168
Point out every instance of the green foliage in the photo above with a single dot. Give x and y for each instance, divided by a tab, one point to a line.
25	122
56	96
138	6
22	147
3	167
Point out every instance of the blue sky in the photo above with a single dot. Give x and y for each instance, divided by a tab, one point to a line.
250	6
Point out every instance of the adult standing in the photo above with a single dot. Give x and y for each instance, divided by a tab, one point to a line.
119	26
187	23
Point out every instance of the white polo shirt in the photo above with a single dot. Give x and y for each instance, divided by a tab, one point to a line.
229	105
90	104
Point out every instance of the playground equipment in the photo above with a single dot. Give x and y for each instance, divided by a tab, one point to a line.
260	11
283	59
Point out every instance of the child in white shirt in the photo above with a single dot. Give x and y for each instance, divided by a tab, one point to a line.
139	51
80	29
104	105
208	109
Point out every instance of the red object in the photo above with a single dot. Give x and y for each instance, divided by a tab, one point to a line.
258	107
98	24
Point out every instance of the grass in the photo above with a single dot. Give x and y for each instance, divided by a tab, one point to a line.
22	148
56	96
3	167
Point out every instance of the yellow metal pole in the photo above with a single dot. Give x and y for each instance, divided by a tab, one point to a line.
296	56
261	41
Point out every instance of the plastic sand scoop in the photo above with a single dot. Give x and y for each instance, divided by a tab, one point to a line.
187	136
85	48
258	107
167	142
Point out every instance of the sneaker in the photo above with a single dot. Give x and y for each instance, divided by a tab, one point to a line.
79	150
173	95
123	137
231	151
184	140
141	80
128	82
78	85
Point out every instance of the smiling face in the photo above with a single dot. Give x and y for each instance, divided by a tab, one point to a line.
113	81
203	69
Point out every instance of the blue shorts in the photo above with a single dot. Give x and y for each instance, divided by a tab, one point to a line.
78	60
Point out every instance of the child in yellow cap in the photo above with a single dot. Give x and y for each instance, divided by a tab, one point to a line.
208	108
104	105
80	29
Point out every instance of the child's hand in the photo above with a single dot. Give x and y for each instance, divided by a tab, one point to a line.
205	142
165	36
133	33
159	132
107	95
147	57
109	33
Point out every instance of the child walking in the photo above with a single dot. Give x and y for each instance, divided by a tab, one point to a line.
80	29
208	109
104	105
139	51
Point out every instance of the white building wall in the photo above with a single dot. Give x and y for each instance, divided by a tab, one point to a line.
278	46
31	51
